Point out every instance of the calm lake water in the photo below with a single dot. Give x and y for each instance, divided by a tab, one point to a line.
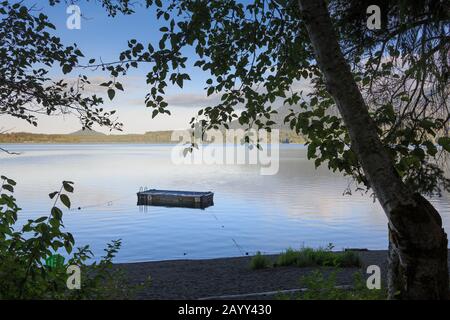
298	206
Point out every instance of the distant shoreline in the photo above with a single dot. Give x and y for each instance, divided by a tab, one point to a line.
153	137
32	138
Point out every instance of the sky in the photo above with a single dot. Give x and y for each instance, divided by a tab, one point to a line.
105	37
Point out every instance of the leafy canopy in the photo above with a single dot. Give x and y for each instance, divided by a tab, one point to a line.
28	51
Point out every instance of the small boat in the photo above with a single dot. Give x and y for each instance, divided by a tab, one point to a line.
172	198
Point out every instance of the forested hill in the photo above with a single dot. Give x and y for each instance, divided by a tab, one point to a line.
97	137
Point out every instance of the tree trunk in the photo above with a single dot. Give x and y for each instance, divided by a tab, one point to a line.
418	266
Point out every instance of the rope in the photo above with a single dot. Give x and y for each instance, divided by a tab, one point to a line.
240	249
101	204
109	203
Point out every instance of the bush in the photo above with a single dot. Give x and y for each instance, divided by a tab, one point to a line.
309	257
304	260
288	258
324	287
259	262
319	286
348	259
24	273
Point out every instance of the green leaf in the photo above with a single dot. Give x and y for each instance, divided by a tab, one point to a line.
56	213
8	187
53	194
311	150
180	82
41	219
68	246
65	200
119	86
111	94
78	53
66	68
67	185
444	142
431	148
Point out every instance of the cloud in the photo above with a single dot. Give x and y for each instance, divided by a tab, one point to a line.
200	99
193	99
183	100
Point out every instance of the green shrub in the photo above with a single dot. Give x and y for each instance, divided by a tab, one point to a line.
309	257
319	286
324	257
24	273
288	258
259	261
348	259
304	260
324	287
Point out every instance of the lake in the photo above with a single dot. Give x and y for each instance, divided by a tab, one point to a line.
299	206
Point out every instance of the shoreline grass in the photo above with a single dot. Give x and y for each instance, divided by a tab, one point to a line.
320	286
308	257
260	261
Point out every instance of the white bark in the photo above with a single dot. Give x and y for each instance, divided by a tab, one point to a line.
418	242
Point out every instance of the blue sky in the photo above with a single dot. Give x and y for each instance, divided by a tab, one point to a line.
105	37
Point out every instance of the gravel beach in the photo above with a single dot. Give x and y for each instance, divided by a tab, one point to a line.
200	279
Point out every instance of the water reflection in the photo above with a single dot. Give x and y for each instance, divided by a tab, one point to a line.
298	206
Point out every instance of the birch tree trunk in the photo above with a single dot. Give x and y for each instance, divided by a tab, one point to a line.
417	242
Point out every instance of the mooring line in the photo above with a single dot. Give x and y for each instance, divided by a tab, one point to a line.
106	203
240	248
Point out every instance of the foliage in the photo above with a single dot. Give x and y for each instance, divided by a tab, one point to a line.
24	249
288	258
320	286
28	51
259	261
309	257
403	72
348	259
